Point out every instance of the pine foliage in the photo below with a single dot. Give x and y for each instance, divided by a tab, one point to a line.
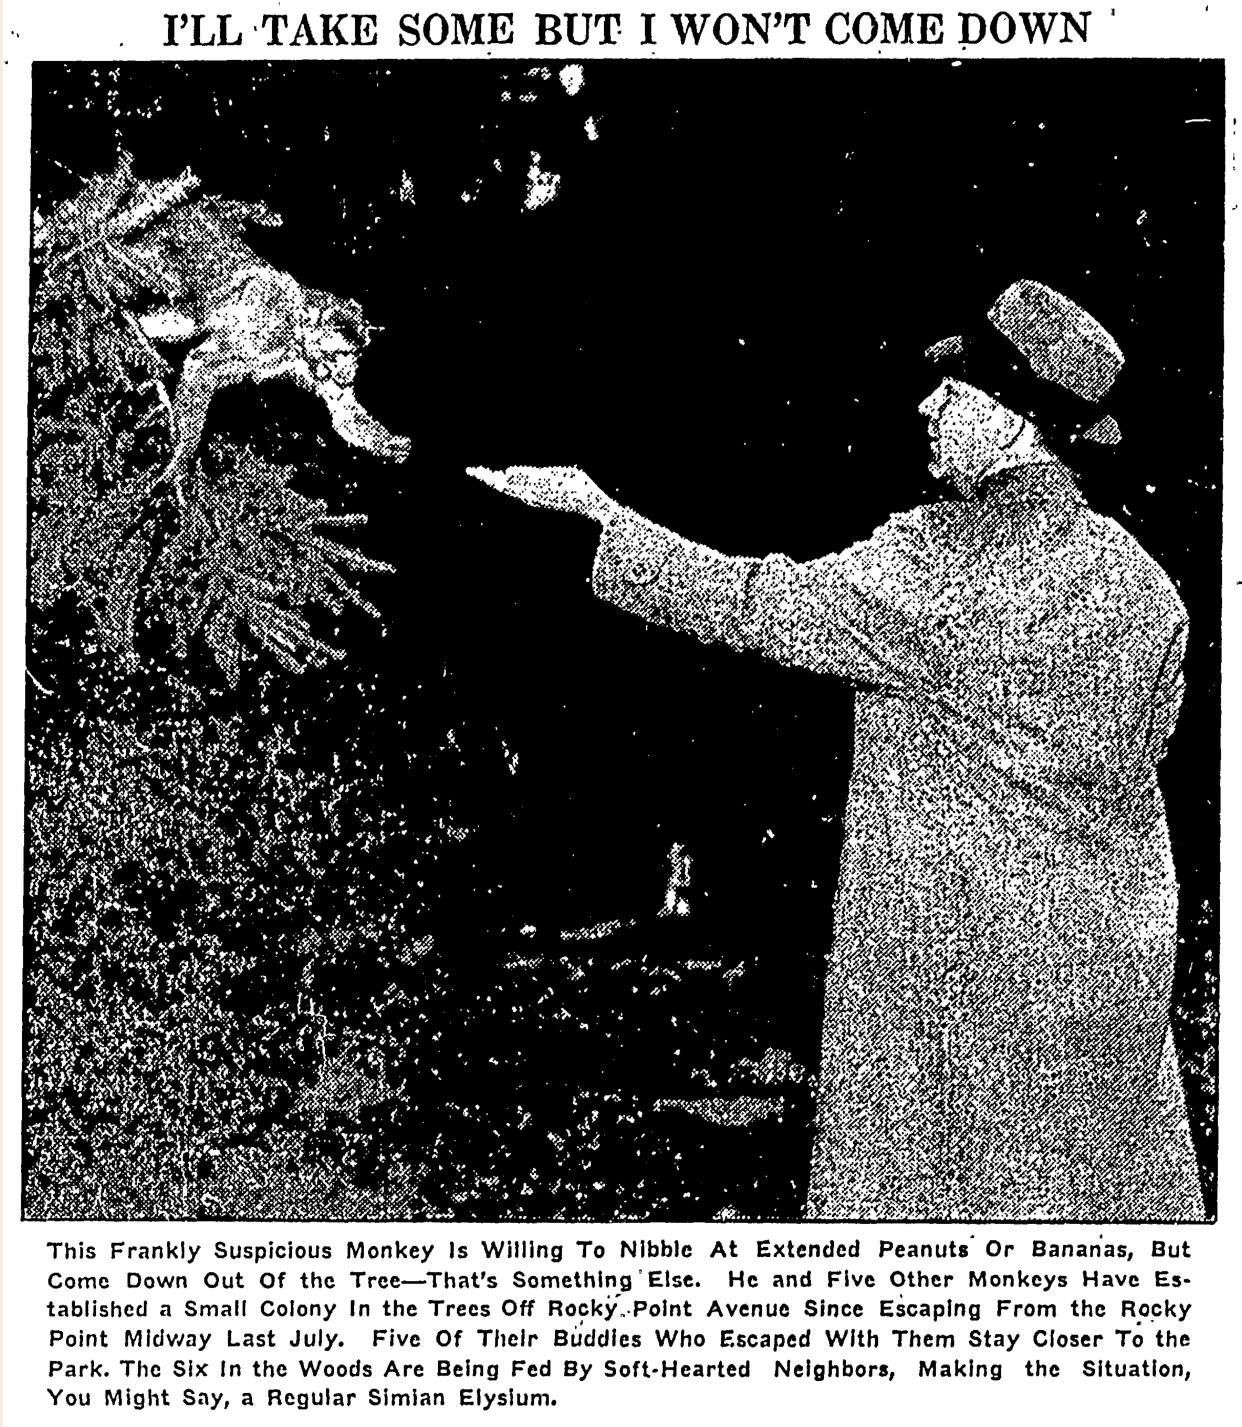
250	553
237	557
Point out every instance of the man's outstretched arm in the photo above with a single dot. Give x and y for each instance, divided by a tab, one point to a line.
835	615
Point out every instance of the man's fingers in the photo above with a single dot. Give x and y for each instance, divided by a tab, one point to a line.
496	479
550	486
527	475
511	475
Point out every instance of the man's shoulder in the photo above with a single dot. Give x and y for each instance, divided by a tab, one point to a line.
919	535
1127	562
919	524
899	542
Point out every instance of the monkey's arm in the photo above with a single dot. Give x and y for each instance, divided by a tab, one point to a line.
353	423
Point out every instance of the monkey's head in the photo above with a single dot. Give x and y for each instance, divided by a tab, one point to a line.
333	336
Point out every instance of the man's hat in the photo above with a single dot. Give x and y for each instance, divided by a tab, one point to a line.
1043	356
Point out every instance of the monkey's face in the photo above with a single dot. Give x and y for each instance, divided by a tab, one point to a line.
332	339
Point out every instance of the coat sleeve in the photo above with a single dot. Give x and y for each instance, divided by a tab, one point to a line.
855	614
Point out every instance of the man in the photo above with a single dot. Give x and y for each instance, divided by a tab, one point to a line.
996	1039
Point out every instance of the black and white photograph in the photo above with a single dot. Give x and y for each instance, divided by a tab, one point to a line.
614	641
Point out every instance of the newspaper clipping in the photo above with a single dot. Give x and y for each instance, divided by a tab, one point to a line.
612	709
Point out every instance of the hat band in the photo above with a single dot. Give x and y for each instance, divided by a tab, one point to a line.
990	362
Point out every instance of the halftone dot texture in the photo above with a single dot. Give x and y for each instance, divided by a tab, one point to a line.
996	1039
1064	344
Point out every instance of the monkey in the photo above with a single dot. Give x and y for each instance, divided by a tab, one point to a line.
262	324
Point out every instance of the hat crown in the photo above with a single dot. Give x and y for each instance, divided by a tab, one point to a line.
1062	342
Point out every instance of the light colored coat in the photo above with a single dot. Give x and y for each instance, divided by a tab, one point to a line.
996	1036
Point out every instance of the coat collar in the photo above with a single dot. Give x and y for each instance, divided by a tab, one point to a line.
1035	483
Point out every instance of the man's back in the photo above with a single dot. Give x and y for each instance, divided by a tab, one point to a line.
1006	913
996	994
1051	652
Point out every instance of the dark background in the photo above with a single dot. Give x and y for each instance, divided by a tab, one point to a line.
720	316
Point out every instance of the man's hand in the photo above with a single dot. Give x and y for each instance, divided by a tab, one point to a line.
551	487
